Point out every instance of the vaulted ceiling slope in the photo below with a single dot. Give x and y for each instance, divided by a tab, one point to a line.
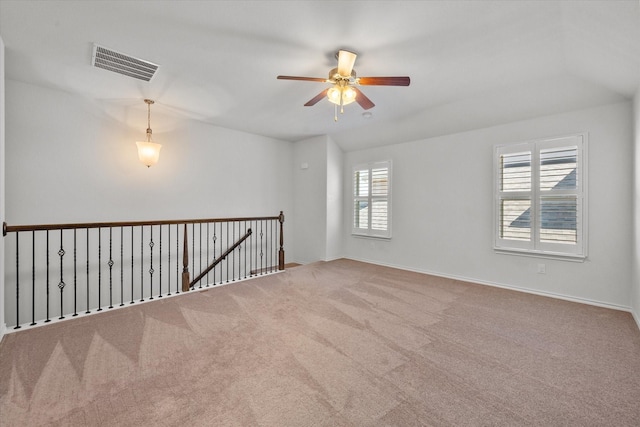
472	64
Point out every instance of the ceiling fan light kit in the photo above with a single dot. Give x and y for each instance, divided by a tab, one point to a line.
345	81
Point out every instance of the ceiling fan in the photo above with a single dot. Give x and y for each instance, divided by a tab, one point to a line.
344	81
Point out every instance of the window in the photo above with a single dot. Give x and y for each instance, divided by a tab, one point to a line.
372	199
540	192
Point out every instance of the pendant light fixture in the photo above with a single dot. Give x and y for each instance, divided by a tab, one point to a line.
148	152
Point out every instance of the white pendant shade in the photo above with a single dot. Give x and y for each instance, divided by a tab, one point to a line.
148	152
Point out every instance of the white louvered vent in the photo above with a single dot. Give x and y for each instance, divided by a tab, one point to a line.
121	63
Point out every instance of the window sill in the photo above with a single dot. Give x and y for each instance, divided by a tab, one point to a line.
540	254
369	236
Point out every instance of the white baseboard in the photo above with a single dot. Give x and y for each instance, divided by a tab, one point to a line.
510	287
3	330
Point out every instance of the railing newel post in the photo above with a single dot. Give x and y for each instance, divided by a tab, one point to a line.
185	262
281	251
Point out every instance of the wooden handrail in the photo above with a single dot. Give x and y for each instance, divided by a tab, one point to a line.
218	261
15	228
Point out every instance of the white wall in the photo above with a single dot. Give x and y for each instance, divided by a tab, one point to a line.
635	296
317	172
442	208
309	194
334	200
72	163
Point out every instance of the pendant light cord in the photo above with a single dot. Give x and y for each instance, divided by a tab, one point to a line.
149	102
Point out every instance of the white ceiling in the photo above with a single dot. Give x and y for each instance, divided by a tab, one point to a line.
472	63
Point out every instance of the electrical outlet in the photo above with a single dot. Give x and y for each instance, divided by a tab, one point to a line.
542	269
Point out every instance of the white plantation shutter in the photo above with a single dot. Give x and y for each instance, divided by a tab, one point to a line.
372	199
515	201
540	197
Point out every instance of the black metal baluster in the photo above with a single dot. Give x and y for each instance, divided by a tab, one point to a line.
110	264
256	246
47	319
142	263
273	259
17	281
75	274
193	249
88	311
222	265
169	259
238	255
233	254
261	248
215	237
208	259
199	251
266	246
227	260
269	226
33	278
177	259
253	245
61	285
121	266
151	263
132	301
99	269
242	255
245	254
160	262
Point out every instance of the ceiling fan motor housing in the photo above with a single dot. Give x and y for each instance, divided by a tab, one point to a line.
334	76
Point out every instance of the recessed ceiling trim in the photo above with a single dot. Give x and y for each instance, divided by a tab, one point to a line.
122	63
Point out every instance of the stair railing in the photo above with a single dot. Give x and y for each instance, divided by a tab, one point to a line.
73	269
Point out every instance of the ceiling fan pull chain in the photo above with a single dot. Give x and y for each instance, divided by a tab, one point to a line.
335	112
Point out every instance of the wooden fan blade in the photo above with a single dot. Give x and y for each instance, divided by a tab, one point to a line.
346	60
384	81
361	99
308	79
317	98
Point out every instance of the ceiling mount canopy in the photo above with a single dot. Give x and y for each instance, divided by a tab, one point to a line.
344	83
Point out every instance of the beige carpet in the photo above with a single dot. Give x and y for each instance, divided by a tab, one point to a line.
329	344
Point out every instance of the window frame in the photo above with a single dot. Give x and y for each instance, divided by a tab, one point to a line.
370	198
536	247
